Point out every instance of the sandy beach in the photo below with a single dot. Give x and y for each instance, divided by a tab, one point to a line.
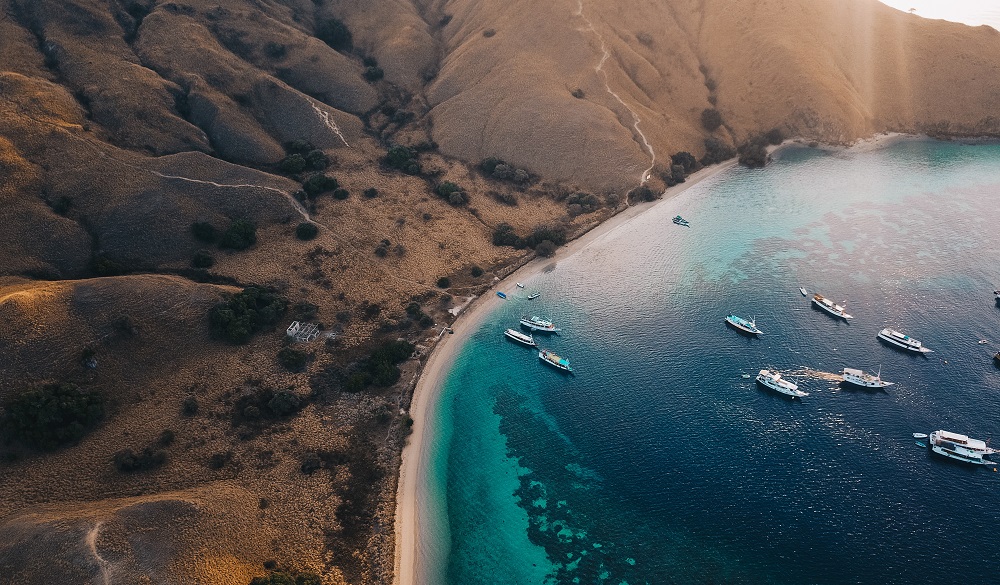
411	496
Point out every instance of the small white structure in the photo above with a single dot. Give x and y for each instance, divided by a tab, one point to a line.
302	332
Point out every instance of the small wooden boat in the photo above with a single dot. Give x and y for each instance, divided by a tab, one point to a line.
803	290
534	296
501	294
520	285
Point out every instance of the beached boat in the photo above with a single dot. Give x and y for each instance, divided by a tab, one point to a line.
906	342
520	337
554	360
774	381
864	379
960	447
501	294
748	326
534	296
803	290
830	306
538	324
520	285
681	221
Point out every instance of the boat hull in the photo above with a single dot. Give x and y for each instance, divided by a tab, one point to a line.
909	348
565	368
971	460
830	310
779	390
855	379
743	330
527	342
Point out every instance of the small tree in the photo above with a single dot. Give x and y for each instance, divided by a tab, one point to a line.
711	119
443	282
373	74
545	248
293	163
293	359
317	160
341	194
306	231
335	33
240	235
53	415
319	184
370	193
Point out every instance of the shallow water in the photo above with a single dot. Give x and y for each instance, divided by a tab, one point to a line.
659	463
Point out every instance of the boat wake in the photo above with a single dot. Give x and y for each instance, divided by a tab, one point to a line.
806	372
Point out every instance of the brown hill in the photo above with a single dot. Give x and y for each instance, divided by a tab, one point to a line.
124	122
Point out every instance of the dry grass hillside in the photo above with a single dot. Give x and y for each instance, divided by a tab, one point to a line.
156	157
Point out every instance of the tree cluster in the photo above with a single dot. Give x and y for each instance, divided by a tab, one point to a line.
49	416
335	33
403	158
501	171
245	313
283	578
265	404
380	368
452	193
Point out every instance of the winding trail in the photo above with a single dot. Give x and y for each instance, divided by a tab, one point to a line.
599	69
91	541
328	121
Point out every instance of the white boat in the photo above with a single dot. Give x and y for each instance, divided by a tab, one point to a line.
904	341
803	290
960	447
539	324
554	360
830	306
520	285
534	296
520	337
864	379
774	381
745	325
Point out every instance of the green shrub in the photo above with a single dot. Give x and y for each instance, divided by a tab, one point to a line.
403	159
373	74
545	248
774	136
476	271
52	415
711	119
319	184
283	578
341	194
443	282
306	231
369	61
716	151
577	93
370	193
588	202
292	359
504	235
753	154
299	146
202	259
293	163
317	160
686	160
451	193
128	461
245	313
489	164
204	232
190	406
554	233
335	33
240	235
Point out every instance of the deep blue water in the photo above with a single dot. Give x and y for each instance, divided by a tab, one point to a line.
658	463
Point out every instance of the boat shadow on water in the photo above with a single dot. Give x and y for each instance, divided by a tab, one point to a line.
955	463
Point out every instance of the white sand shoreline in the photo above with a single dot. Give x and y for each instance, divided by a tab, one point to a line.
412	490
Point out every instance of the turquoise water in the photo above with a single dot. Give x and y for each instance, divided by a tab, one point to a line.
658	463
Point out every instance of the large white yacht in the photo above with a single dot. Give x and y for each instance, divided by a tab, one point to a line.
539	324
898	339
830	306
748	326
520	337
774	381
864	379
960	447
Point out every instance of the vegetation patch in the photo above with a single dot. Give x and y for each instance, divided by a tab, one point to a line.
293	359
404	159
265	405
335	33
498	169
318	184
240	235
716	151
204	232
52	415
283	578
150	457
245	313
202	259
306	231
452	193
711	119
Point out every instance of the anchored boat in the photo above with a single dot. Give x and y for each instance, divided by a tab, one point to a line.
534	296
830	306
520	337
906	342
864	379
960	447
774	381
502	294
539	324
748	326
554	360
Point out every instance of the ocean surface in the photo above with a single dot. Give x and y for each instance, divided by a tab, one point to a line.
658	463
